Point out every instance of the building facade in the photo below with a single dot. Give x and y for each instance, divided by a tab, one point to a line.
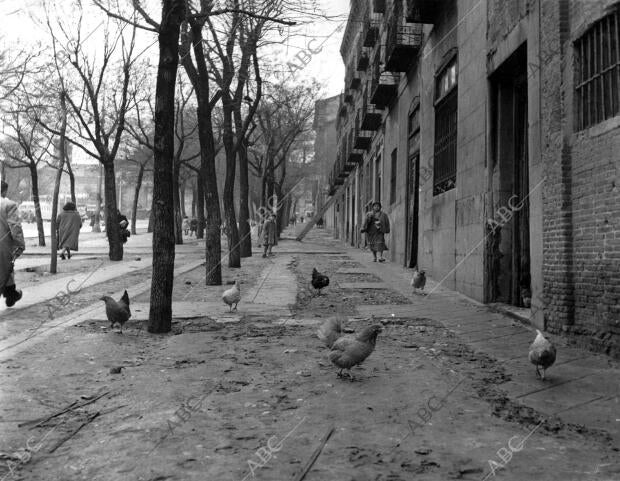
325	147
490	131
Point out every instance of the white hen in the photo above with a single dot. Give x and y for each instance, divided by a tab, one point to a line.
542	354
232	296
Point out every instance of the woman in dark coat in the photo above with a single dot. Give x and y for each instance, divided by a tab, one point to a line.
69	223
376	226
270	236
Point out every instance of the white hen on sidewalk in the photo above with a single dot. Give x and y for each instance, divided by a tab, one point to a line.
232	296
542	354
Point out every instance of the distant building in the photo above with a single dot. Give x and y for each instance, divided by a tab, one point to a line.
325	147
490	132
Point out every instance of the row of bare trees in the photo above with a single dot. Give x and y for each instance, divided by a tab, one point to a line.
209	101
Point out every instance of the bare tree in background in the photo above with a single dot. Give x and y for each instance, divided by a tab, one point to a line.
26	146
282	119
98	99
236	51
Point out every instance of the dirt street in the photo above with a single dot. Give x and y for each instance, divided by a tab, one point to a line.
249	395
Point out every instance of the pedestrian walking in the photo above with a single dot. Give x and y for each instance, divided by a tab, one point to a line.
123	224
375	227
253	230
185	225
193	226
68	225
11	246
269	235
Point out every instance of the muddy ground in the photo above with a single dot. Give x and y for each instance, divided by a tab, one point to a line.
252	400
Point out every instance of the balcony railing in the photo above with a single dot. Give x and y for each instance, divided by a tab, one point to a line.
422	11
371	115
378	6
362	60
363	138
402	44
353	81
370	30
354	156
342	107
384	87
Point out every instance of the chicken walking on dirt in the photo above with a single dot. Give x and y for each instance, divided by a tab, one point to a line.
418	281
232	296
117	312
542	354
349	350
319	281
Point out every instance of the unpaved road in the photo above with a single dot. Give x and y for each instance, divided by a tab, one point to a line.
252	399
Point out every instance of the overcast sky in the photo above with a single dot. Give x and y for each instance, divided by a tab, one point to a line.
23	23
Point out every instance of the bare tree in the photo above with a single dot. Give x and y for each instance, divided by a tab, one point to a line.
139	127
62	145
14	68
283	117
238	45
98	98
26	147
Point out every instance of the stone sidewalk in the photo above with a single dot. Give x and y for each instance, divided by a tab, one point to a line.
581	388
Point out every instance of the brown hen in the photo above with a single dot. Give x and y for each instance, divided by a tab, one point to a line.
351	350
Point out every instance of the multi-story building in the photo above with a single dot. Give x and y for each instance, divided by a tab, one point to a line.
490	132
325	147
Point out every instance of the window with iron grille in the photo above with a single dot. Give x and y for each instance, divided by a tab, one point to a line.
597	72
393	172
444	165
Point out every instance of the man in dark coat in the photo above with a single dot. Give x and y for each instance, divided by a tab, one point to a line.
68	223
11	246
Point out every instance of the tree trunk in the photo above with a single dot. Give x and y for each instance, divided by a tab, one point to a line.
71	181
182	198
213	241
234	253
193	200
160	314
112	228
136	197
176	202
149	228
263	192
199	77
61	161
97	223
34	183
280	207
244	199
200	207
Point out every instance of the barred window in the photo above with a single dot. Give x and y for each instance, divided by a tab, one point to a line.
444	165
597	72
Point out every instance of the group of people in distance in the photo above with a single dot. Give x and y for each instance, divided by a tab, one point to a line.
189	227
12	245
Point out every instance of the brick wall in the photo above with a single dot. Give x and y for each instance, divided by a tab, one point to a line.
581	196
